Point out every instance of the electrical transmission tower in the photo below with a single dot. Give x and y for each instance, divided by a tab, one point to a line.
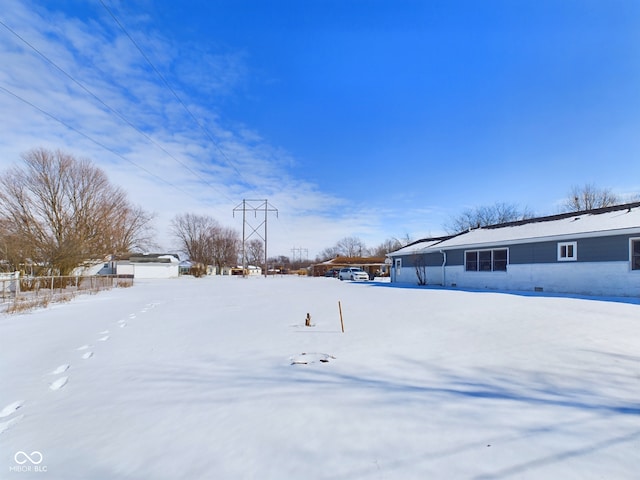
299	251
254	206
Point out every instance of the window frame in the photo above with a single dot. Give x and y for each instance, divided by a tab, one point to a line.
631	256
481	264
568	247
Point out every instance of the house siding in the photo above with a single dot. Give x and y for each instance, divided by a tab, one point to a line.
430	259
602	268
604	249
531	253
595	246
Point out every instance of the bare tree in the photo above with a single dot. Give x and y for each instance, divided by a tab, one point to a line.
486	215
13	252
328	253
280	262
589	197
389	245
63	209
420	265
132	231
196	234
226	246
254	250
347	247
352	247
205	241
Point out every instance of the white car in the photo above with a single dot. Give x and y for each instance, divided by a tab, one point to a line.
353	273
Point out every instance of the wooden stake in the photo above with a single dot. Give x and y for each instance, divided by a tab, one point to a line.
341	321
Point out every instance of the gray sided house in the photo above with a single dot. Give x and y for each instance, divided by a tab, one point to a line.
594	252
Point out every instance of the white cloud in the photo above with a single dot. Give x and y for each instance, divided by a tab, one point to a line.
238	164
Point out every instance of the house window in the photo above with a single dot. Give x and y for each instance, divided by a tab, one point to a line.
635	254
567	251
486	260
471	261
500	260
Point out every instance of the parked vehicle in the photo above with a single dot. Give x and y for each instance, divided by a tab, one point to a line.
353	273
332	273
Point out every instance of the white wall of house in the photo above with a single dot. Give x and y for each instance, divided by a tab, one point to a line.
598	278
409	275
124	269
155	270
252	270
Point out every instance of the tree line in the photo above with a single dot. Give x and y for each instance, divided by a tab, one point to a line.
58	212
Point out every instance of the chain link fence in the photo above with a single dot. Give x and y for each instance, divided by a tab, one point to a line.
24	293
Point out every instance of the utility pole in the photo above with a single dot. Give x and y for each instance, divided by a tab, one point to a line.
254	206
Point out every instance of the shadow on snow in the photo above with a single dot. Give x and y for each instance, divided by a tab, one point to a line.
521	293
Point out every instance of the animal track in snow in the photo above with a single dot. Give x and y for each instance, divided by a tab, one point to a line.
9	409
132	316
87	355
59	383
104	332
104	339
83	347
61	369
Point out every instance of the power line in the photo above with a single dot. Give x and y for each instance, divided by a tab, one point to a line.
88	137
299	251
173	92
114	111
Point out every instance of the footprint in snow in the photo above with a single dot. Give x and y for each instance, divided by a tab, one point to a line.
132	316
61	369
104	332
83	347
87	355
104	339
59	383
9	409
122	323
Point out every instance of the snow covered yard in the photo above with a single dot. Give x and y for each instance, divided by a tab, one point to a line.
205	379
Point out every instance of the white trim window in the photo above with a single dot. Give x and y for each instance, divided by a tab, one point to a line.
567	251
634	254
486	260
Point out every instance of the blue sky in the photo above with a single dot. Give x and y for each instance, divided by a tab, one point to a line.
373	119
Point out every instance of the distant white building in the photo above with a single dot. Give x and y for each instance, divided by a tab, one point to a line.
254	270
150	266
